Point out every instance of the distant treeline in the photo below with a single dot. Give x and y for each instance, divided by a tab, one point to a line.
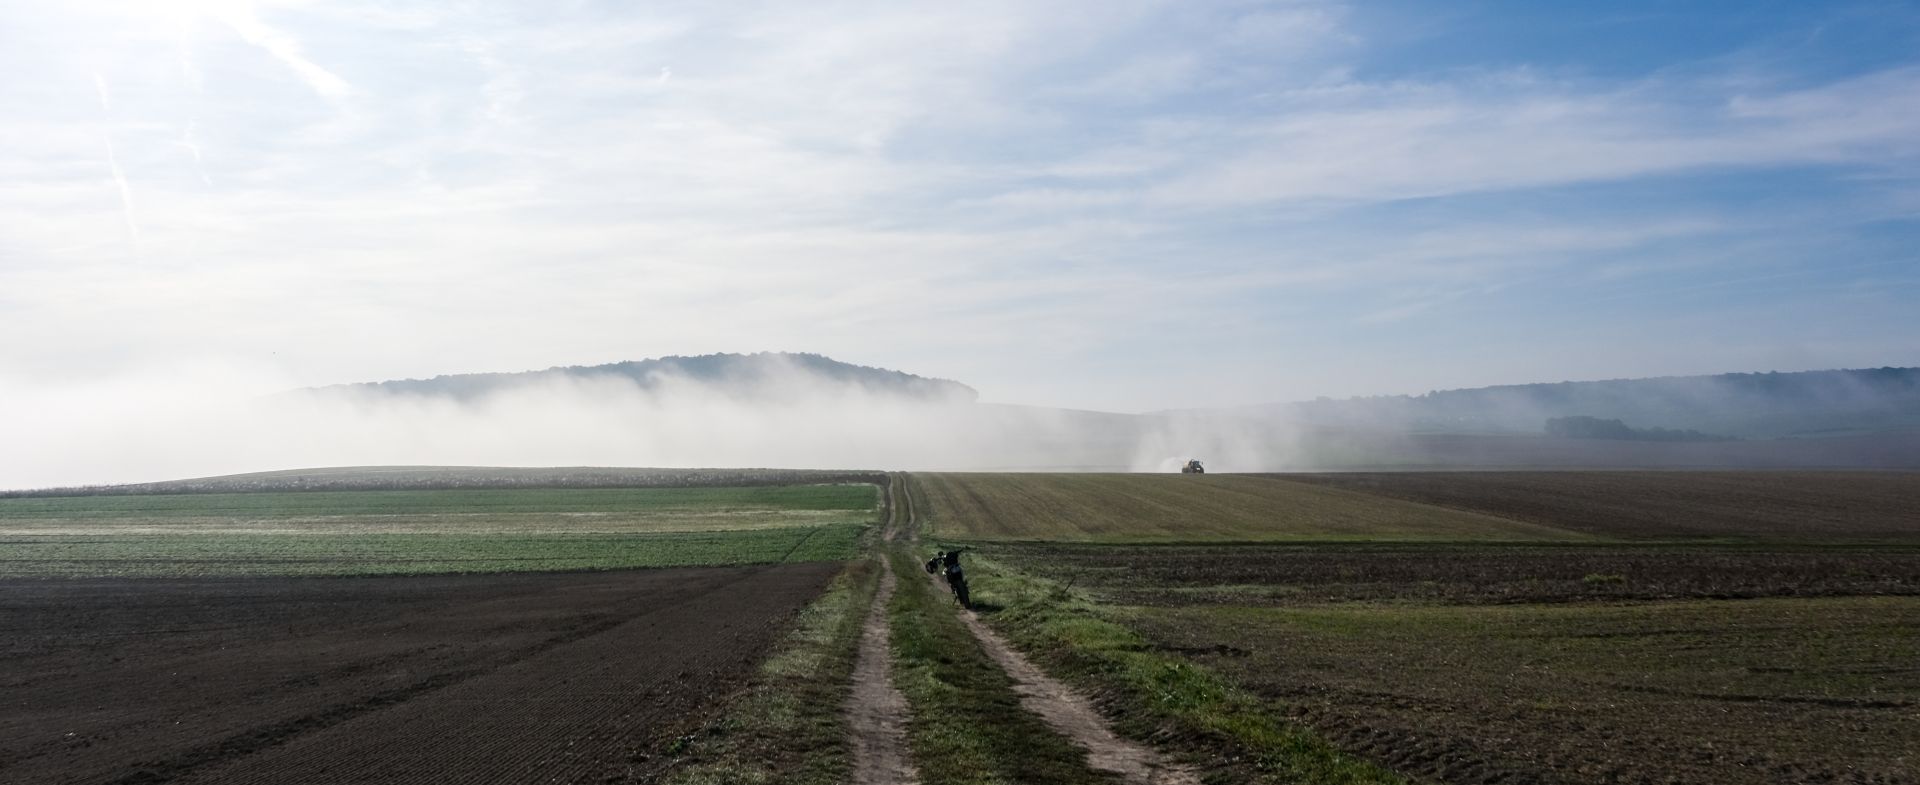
1581	427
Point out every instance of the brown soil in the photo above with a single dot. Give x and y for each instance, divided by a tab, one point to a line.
1810	505
498	678
1474	574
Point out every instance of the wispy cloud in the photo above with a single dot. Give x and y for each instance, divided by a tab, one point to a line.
993	192
284	47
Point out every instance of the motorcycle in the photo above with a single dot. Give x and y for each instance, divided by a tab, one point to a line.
957	581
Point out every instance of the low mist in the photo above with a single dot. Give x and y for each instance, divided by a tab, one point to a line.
223	422
810	412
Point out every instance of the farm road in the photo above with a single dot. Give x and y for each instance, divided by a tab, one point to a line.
876	711
472	679
1071	715
1067	712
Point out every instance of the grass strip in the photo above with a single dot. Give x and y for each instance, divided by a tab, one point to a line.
1157	696
789	726
968	727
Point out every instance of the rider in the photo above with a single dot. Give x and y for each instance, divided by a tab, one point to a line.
950	560
956	579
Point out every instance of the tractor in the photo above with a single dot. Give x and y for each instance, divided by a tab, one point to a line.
1193	467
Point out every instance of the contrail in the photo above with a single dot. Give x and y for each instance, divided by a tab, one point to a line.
126	193
113	162
287	50
199	166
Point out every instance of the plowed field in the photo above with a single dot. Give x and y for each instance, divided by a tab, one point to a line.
1471	629
447	679
1801	505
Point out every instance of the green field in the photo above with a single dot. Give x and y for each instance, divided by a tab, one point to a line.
463	502
428	531
1183	508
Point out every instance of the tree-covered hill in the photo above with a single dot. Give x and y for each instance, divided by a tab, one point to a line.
762	375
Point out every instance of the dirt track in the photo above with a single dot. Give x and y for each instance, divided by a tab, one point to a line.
548	678
877	713
1072	715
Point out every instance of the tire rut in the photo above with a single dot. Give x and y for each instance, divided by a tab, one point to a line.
1071	715
876	711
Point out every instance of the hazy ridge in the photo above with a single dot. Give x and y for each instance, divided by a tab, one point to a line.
1740	405
757	376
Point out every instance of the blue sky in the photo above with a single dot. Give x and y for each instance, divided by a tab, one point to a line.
1113	205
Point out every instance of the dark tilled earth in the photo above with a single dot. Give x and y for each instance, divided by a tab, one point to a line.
1806	505
1470	574
1750	692
447	679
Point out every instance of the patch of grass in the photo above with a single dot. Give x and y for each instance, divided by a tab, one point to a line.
181	555
1155	695
968	726
1184	508
789	725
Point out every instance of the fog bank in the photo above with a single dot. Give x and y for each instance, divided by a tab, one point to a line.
158	428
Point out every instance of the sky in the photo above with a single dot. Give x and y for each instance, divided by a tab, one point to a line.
1115	205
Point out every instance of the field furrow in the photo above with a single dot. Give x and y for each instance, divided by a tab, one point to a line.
480	679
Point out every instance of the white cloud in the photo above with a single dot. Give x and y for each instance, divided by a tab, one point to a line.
1408	141
1008	186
